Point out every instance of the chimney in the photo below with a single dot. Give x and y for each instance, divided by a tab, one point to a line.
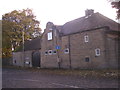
89	12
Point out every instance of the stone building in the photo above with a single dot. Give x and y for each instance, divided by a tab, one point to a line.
30	56
89	42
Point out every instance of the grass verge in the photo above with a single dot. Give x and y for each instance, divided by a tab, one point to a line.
98	73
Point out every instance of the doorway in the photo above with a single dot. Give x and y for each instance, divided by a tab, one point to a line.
36	59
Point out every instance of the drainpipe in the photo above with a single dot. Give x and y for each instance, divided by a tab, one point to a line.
58	57
69	51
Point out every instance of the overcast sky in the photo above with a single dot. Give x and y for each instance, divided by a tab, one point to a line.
58	11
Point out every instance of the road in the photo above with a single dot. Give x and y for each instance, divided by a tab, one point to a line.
14	78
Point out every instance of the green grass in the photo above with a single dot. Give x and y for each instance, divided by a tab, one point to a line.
106	73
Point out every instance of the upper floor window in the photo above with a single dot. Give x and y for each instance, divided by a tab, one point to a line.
97	52
86	38
49	35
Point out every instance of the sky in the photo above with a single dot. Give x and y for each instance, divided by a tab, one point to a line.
58	11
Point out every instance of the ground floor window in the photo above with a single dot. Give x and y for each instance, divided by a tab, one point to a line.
54	52
46	52
50	52
14	61
66	51
87	59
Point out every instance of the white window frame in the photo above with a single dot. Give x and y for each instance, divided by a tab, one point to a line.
86	38
49	35
65	51
97	52
49	52
27	62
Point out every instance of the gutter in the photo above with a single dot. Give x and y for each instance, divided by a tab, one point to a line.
69	51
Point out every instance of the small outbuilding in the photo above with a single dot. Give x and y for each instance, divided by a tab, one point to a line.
30	55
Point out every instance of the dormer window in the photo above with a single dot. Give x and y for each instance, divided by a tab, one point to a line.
49	35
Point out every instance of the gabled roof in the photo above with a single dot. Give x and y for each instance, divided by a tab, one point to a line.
34	44
96	20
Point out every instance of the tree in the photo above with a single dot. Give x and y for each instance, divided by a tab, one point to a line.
116	4
16	26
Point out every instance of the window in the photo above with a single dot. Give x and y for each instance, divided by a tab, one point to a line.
97	52
54	52
27	62
87	59
49	36
66	51
46	52
50	52
14	61
86	38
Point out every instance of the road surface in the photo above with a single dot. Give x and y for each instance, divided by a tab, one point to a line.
14	78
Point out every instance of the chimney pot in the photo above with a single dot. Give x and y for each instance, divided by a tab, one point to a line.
89	12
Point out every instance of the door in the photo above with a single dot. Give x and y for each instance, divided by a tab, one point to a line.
36	59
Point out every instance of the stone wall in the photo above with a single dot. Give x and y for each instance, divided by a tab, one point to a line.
79	50
81	53
22	59
112	50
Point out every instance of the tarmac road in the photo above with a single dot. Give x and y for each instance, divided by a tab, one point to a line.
14	78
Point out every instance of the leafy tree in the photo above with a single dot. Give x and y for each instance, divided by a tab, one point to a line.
116	4
18	26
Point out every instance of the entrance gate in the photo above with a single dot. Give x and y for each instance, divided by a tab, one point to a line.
36	59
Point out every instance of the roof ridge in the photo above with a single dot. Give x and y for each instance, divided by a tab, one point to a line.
95	20
103	16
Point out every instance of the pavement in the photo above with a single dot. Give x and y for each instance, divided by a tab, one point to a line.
15	78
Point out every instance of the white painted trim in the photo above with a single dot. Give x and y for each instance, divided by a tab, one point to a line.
97	52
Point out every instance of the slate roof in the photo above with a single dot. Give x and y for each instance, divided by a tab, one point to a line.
96	20
34	44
